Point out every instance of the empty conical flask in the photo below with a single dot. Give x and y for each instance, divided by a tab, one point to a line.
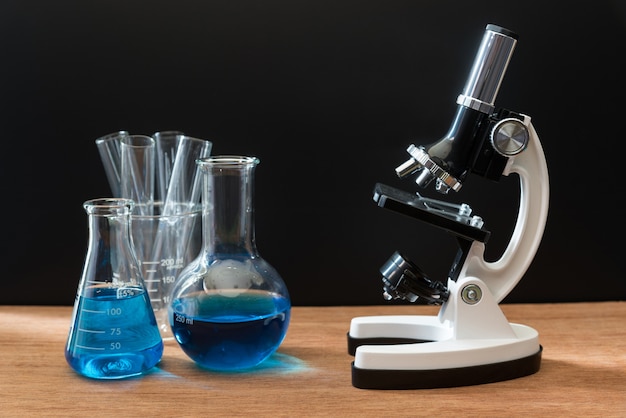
113	332
230	308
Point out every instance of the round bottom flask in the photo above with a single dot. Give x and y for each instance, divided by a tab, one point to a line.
230	308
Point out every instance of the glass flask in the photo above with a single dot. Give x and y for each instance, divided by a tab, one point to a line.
113	333
230	308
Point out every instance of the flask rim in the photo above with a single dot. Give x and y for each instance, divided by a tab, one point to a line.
227	161
116	205
179	210
137	141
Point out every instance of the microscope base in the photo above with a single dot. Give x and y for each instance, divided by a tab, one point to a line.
414	363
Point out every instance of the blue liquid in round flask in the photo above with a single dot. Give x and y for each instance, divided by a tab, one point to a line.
230	308
114	333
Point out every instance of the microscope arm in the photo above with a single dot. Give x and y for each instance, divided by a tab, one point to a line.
502	276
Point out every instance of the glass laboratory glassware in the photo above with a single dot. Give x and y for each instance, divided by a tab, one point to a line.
164	244
185	179
166	143
110	154
230	308
137	171
113	332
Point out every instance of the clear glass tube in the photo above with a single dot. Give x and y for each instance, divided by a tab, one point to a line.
185	181
110	154
166	143
137	171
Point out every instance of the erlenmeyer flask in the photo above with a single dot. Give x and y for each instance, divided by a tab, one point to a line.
230	308
113	332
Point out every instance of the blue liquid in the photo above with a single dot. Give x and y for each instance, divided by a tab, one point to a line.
114	334
230	332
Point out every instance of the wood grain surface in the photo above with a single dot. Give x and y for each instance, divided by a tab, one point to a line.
583	372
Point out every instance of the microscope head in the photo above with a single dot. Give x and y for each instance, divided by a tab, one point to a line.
462	150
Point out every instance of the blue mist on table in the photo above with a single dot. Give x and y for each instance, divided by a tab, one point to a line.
115	335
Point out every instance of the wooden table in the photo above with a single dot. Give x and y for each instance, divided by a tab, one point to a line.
583	372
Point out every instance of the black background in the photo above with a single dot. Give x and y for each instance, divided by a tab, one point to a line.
328	94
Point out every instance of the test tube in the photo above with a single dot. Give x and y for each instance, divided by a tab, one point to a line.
185	182
109	149
166	144
137	172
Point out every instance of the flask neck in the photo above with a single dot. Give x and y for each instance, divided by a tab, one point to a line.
228	205
110	256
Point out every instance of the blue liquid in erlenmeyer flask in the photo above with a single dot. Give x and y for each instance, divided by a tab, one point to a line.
114	335
230	331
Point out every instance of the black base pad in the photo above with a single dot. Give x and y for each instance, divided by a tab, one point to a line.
446	378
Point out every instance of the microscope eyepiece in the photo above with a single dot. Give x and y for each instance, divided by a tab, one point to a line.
499	29
490	64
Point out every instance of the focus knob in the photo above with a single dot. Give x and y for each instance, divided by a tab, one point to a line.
509	137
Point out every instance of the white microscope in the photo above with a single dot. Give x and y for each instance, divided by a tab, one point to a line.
470	341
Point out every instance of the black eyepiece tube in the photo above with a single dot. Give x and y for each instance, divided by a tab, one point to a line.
488	70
